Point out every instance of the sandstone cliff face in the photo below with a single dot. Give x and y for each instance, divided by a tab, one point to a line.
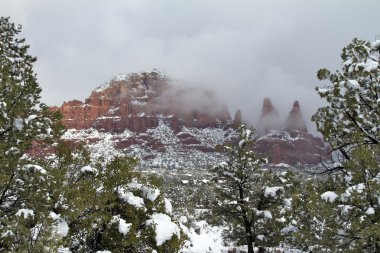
144	115
269	118
292	144
295	119
137	102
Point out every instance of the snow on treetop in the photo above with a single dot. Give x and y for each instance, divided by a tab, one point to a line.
123	226
165	229
370	211
25	212
130	198
369	65
33	168
359	188
88	169
149	192
329	196
168	206
375	44
271	191
61	227
265	213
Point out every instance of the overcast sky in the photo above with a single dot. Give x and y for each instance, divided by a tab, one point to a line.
243	50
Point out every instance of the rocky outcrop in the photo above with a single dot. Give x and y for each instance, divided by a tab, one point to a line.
137	102
291	145
269	118
145	115
238	118
295	119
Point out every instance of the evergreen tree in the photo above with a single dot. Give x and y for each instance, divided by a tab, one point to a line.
251	200
23	119
350	123
67	202
107	207
352	117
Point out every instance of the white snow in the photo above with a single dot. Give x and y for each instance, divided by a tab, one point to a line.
123	226
329	196
88	169
267	214
30	118
130	198
18	124
324	90
165	229
282	165
271	191
353	84
369	65
355	188
103	144
208	239
133	200
35	231
63	250
25	212
168	206
375	44
61	227
261	237
151	193
370	211
134	185
33	167
345	208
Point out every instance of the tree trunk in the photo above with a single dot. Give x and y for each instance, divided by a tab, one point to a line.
250	243
247	223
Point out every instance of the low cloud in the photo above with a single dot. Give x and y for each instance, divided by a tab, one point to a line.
242	50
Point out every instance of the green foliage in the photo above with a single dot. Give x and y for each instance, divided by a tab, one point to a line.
23	119
350	123
93	203
66	200
353	115
252	201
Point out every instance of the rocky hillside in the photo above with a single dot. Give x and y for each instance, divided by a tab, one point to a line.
138	102
288	142
145	115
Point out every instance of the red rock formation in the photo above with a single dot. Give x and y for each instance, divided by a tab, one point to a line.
295	119
269	118
137	102
238	119
293	145
141	102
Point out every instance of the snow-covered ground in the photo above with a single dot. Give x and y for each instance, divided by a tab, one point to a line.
176	155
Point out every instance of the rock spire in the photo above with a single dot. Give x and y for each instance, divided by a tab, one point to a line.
269	119
295	119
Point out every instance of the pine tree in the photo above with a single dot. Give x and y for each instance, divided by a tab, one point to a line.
350	123
352	117
97	206
251	201
23	119
67	202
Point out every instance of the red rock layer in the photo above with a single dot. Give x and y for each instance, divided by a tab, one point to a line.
292	145
137	102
